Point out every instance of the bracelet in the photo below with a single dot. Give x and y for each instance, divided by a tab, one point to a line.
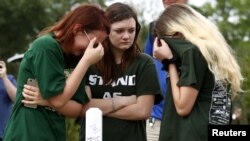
113	104
166	62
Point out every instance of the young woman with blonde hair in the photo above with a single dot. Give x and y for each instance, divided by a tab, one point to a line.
204	74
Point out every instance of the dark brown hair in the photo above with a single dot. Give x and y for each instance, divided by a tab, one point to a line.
90	17
107	66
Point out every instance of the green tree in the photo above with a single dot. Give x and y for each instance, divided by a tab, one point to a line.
19	23
21	20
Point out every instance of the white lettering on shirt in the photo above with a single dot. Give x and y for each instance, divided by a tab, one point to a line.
127	80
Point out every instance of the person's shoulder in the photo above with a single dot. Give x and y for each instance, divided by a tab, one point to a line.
151	30
144	56
152	23
47	38
180	46
11	77
194	51
44	42
191	48
143	60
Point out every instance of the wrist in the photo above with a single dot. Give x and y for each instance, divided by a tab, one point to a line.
113	104
170	57
85	61
3	76
166	62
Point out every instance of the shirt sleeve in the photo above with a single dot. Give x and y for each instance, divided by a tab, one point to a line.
80	95
193	69
12	79
147	81
48	69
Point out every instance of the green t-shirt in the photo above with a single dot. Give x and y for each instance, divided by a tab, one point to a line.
213	103
139	78
45	62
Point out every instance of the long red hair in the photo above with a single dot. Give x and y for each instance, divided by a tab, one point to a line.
90	17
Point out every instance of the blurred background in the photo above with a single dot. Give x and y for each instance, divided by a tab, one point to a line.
21	20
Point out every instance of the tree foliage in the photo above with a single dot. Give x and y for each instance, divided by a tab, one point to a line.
21	20
18	23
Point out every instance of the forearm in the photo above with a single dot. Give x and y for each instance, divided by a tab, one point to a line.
33	96
70	109
10	88
174	78
105	105
184	97
72	83
139	111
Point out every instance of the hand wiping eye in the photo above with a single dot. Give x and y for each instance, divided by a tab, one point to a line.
95	44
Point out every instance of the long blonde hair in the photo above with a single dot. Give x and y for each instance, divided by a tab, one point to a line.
180	18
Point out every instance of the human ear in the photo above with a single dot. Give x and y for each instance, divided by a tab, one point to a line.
77	28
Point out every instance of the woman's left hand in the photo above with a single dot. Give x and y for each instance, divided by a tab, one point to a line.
161	50
2	69
32	96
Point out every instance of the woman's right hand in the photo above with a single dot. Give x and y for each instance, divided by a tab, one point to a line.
93	54
2	69
162	51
